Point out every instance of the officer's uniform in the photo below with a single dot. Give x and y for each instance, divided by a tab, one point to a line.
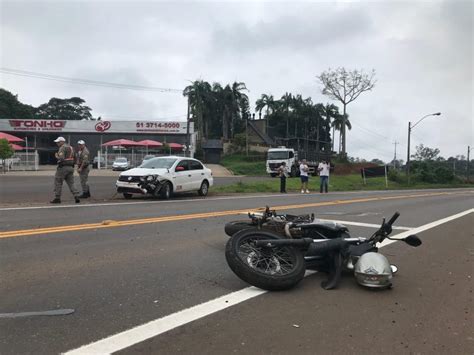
84	167
65	171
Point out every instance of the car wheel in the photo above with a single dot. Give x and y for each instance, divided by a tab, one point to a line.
204	188
165	191
127	196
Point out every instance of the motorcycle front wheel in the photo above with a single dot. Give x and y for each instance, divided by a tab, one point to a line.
273	269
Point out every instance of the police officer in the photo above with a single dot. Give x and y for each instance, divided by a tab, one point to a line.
65	170
83	168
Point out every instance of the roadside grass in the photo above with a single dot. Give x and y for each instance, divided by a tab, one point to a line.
253	165
352	182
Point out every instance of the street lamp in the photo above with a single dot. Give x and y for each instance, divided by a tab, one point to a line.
410	127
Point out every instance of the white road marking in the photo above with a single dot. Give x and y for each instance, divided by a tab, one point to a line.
72	205
156	327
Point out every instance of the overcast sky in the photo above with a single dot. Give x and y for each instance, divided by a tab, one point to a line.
422	53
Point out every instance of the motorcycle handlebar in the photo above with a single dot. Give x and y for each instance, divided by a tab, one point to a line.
393	219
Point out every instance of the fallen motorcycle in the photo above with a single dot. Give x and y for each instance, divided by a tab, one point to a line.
298	226
275	261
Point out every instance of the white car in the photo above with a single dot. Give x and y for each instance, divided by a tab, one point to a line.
120	164
164	176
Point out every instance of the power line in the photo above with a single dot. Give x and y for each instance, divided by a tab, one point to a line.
64	79
369	131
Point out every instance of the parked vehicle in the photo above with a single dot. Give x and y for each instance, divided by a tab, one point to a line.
276	156
121	163
277	259
95	163
165	176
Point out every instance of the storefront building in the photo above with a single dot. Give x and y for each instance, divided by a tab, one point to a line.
39	135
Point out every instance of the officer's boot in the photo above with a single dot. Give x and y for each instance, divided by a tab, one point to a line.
76	198
88	193
55	200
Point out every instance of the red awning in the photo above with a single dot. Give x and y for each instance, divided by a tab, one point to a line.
123	143
150	143
17	147
175	145
10	138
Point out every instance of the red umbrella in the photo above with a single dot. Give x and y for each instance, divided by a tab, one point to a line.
175	145
123	143
150	143
10	138
17	147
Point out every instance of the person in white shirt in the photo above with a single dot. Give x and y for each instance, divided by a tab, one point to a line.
323	169
283	174
304	176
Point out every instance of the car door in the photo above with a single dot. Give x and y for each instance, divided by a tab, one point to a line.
182	176
197	174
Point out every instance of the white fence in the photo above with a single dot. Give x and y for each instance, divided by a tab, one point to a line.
23	161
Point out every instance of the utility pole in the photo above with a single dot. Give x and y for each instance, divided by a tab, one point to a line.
410	127
395	155
468	151
186	153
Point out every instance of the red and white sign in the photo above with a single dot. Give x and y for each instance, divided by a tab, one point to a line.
83	126
103	126
37	125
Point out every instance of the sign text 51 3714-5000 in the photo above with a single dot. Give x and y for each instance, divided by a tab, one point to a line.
158	126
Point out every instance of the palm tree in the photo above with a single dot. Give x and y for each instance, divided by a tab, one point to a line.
199	94
286	101
338	124
330	112
266	101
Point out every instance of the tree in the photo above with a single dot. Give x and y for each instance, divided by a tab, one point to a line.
10	107
425	153
6	151
286	101
345	86
64	109
199	94
331	113
267	102
338	123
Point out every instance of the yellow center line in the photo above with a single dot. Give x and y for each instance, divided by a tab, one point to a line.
122	223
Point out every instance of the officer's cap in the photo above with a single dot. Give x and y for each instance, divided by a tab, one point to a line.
59	139
81	142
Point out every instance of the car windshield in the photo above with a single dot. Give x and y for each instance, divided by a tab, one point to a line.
121	160
158	163
277	155
148	157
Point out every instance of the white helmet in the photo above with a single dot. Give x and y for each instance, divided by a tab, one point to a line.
373	270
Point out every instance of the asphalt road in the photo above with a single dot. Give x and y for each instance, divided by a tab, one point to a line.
122	265
34	189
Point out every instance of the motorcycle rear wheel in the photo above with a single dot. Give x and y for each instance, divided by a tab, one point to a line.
272	269
233	227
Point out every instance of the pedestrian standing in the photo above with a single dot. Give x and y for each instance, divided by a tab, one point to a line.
64	171
83	168
323	169
304	176
283	174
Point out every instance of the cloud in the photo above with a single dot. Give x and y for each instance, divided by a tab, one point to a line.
421	51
